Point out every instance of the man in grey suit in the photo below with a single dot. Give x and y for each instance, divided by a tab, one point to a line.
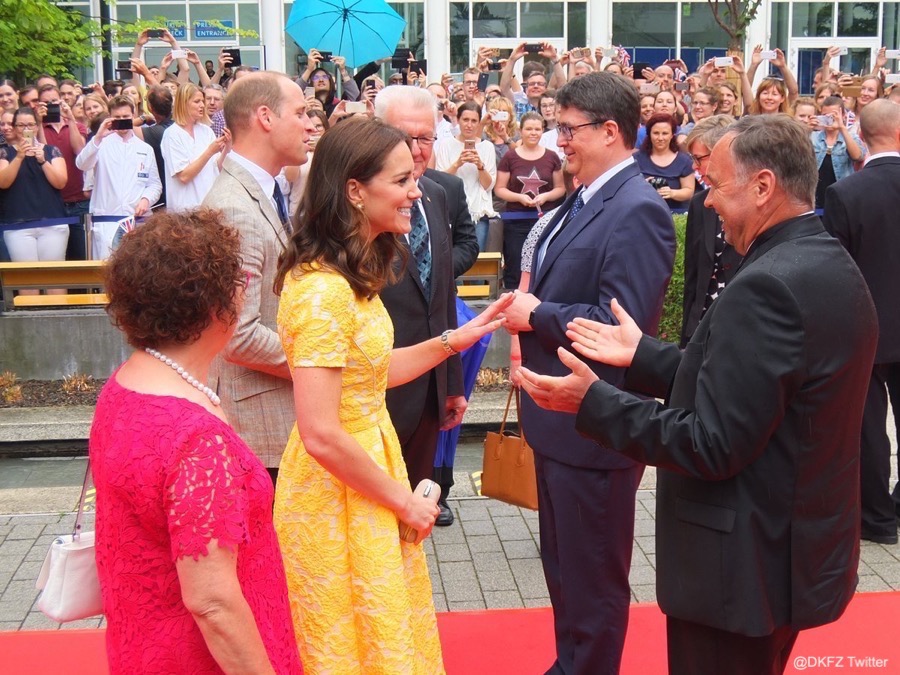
265	114
757	442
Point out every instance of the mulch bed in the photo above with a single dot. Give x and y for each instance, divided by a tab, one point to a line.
44	393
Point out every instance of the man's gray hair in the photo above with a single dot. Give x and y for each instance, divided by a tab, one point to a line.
708	131
405	97
780	144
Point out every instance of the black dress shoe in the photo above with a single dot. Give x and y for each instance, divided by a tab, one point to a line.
445	517
869	536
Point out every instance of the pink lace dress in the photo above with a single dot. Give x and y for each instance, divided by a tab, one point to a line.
171	477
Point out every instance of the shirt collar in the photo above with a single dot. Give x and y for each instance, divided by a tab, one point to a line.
592	189
878	155
264	178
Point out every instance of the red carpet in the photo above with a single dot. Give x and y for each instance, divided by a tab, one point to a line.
503	642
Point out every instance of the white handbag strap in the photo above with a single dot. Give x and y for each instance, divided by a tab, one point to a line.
76	533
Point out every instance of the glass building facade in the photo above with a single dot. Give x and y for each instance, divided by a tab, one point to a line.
448	32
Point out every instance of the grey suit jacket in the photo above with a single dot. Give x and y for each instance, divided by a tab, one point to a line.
251	375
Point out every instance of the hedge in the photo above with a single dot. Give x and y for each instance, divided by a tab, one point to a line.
670	323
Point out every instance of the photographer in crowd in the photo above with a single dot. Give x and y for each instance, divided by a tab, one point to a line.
126	182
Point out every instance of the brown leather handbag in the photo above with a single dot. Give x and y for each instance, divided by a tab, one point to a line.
508	469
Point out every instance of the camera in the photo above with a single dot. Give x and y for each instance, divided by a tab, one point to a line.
533	48
682	86
657	182
156	33
53	115
495	65
123	66
326	57
121	125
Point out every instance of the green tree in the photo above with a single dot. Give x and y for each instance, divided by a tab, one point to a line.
734	16
40	37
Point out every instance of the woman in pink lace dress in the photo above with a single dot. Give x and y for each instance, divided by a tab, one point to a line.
188	560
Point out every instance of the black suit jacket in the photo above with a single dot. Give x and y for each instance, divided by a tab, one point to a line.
417	318
699	257
758	510
862	211
462	229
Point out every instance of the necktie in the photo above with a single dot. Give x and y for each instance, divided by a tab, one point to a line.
281	208
418	245
573	211
715	285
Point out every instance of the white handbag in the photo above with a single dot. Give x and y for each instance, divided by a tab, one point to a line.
70	589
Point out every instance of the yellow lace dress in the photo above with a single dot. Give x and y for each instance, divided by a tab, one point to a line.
360	597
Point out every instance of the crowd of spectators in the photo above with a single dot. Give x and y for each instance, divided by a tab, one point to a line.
75	156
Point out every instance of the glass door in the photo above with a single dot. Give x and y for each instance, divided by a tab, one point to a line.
805	57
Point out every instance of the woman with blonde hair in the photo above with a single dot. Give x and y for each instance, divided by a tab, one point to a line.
189	147
500	126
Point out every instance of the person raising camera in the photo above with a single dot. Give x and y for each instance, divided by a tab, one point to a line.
835	145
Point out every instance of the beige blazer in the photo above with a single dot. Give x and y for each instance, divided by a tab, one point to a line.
251	375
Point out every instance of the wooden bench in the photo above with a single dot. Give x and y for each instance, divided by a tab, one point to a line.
482	280
86	275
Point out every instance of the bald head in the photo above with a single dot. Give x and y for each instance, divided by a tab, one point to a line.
879	123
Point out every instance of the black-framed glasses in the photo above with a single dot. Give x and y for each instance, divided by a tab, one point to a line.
567	131
423	140
696	159
26	126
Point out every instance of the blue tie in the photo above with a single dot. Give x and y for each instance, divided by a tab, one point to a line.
576	206
418	244
278	196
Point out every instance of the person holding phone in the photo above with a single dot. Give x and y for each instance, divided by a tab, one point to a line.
191	152
126	180
836	146
475	162
32	176
322	81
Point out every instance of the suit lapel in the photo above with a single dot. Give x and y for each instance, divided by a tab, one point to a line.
242	176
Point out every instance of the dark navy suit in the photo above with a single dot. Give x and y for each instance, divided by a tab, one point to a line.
621	244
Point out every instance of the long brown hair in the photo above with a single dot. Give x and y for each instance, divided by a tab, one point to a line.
327	229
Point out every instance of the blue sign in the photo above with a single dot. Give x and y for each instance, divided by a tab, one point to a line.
178	29
203	30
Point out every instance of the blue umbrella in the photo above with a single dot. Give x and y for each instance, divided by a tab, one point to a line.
359	30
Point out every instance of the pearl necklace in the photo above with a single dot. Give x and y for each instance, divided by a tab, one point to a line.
190	379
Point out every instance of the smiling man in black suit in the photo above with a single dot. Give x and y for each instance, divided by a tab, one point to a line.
861	211
757	440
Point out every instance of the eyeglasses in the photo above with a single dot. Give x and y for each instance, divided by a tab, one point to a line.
701	103
536	83
567	131
696	159
423	140
26	126
320	78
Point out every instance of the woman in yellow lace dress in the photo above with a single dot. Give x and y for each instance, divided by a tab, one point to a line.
360	597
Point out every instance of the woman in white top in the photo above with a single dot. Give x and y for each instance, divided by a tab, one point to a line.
475	162
192	154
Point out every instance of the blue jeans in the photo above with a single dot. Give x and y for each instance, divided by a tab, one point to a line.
481	232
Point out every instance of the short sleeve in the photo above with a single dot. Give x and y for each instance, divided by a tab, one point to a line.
206	496
505	163
51	152
687	166
555	161
7	153
317	320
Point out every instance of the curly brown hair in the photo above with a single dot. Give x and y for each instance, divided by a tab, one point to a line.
170	276
327	230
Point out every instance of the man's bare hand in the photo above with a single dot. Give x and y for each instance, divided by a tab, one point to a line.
563	394
612	345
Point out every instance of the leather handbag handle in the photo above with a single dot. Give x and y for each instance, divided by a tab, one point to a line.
76	534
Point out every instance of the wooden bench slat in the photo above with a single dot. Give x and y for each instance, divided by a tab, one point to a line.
473	291
80	300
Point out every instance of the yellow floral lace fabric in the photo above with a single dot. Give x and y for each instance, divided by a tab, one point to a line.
360	597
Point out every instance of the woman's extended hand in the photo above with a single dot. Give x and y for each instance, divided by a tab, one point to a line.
613	345
487	322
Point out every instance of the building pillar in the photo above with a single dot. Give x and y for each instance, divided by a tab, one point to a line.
599	24
271	34
437	38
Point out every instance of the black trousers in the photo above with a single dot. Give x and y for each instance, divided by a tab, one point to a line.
514	234
878	508
695	649
586	521
419	449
